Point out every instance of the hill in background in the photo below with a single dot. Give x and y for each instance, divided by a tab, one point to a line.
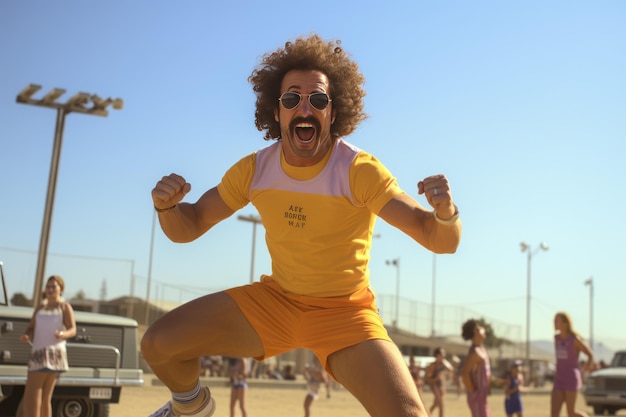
600	350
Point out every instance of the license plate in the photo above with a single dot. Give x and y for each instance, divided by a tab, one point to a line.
100	393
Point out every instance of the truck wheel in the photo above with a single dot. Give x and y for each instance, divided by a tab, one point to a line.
79	407
598	410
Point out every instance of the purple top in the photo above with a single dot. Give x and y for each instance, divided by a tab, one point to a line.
481	375
568	376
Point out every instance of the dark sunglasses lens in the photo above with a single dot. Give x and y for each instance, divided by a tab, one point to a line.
319	100
290	100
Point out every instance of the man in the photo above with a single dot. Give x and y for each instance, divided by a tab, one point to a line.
318	197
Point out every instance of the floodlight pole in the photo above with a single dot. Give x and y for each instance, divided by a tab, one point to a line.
45	228
75	104
433	300
590	283
529	255
396	263
149	285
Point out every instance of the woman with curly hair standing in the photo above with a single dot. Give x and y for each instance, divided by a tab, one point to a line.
477	370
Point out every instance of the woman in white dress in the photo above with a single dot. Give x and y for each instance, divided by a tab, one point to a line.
52	323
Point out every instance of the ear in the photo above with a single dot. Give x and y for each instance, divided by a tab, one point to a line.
276	112
333	114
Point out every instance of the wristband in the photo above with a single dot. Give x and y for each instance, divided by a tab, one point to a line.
449	221
159	210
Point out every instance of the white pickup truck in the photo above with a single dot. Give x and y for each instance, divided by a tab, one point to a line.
605	389
103	357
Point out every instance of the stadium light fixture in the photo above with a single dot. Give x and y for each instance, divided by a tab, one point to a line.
79	103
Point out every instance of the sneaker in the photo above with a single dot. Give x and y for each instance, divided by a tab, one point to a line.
166	410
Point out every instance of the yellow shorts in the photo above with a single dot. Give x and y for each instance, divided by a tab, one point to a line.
287	321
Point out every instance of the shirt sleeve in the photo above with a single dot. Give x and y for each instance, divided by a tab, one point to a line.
372	184
235	185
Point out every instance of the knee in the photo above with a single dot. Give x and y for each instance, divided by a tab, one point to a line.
154	346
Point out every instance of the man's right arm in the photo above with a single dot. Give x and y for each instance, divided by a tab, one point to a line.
185	222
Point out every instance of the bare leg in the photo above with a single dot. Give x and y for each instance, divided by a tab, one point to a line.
242	402
375	373
233	401
556	402
33	393
46	394
438	400
570	403
440	396
308	400
209	325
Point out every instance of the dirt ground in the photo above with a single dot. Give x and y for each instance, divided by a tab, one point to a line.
279	402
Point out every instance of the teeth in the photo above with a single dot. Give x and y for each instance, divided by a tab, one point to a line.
304	125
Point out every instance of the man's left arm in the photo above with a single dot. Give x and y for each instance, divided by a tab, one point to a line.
438	230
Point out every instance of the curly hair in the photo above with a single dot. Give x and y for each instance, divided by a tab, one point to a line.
467	331
312	53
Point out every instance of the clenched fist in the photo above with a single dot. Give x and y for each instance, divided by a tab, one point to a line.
437	191
169	191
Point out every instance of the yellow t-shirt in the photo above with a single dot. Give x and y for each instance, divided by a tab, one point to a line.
319	220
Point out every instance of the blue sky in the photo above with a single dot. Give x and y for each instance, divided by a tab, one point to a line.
520	104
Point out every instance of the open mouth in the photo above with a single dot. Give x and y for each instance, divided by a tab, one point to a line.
305	132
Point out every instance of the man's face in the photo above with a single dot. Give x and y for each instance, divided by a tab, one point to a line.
305	130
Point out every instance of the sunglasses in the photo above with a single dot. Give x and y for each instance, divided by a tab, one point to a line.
290	100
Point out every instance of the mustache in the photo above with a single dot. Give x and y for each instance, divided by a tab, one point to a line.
310	120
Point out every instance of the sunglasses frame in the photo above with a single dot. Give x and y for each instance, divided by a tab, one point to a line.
300	100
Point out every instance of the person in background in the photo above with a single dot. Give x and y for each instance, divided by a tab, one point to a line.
51	324
289	373
513	386
315	376
318	197
435	377
237	371
415	369
456	363
477	370
568	377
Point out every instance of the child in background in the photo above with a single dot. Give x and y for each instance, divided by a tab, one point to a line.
237	371
513	386
315	376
